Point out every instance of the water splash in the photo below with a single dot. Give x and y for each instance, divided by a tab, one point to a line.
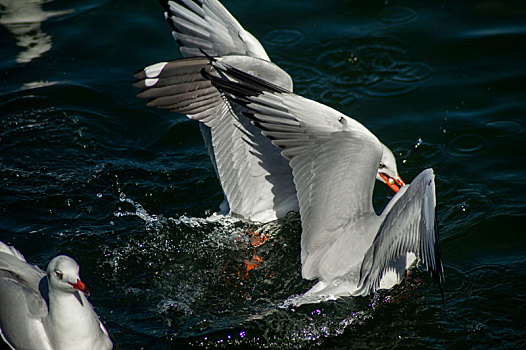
189	278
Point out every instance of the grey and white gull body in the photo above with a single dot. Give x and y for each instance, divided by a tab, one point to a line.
345	245
256	180
46	311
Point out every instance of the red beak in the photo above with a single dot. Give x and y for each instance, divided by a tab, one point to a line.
392	183
81	286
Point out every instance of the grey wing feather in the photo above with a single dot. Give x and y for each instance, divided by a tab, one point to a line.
21	312
21	304
409	226
206	25
179	86
253	175
30	274
330	194
12	251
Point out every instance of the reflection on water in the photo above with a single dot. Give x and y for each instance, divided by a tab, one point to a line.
24	18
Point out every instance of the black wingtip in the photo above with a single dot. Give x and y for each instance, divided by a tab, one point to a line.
210	58
438	272
238	90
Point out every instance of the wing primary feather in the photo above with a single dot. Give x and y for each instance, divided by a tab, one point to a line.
180	25
245	85
227	86
210	58
194	7
241	76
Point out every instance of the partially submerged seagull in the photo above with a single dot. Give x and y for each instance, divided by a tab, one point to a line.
257	181
334	159
46	311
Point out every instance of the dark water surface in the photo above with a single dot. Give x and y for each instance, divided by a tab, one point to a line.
87	170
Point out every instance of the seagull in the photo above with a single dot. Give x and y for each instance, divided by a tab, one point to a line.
345	245
256	180
46	311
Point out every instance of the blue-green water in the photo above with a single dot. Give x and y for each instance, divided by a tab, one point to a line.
87	170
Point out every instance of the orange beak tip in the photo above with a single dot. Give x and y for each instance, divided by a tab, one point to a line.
81	287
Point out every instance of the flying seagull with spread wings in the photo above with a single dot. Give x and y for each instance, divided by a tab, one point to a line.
334	159
256	180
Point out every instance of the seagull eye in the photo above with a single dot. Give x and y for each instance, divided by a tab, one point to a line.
381	166
59	274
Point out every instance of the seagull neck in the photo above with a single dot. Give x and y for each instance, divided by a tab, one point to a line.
71	320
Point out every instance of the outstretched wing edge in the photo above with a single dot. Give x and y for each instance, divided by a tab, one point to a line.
410	226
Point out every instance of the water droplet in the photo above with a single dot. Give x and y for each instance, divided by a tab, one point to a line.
353	59
99	195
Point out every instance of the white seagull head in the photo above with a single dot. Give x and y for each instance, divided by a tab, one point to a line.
63	275
387	172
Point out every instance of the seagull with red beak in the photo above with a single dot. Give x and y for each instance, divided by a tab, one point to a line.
48	311
345	244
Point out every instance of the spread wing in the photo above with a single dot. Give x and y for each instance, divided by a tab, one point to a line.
408	226
206	25
256	180
334	158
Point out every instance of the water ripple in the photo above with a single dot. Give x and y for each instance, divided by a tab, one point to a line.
505	128
283	37
377	67
396	15
468	144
